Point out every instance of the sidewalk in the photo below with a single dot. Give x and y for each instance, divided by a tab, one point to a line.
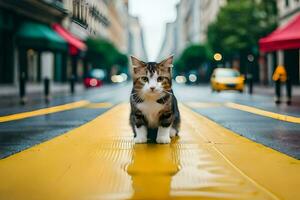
36	88
9	94
270	91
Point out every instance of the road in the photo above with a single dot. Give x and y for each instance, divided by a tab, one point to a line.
232	146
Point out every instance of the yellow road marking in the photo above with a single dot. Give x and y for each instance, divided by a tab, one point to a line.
44	111
99	105
99	161
264	113
203	104
276	172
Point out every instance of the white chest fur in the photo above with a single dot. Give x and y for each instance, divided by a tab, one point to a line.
150	110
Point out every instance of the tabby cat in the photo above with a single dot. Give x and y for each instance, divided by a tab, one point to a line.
152	101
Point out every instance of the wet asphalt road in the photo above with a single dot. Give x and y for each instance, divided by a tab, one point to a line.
21	134
283	136
279	135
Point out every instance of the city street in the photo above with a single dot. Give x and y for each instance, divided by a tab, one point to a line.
87	107
231	146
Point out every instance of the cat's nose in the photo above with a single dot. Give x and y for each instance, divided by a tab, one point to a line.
152	88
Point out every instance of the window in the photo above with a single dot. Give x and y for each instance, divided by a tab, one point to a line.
80	12
227	73
287	2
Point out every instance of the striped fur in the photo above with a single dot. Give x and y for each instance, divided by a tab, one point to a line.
153	104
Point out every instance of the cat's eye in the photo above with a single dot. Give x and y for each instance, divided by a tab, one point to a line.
144	78
160	79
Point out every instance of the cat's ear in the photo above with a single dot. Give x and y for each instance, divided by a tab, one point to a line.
136	62
137	65
167	63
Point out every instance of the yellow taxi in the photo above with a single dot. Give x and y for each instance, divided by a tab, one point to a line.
227	79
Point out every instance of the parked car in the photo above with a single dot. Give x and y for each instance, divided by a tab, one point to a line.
94	78
227	79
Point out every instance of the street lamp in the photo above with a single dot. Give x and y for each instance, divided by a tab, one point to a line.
218	57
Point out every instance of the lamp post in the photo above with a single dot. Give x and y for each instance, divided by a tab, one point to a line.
250	58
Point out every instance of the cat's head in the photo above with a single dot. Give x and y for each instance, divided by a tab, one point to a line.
151	78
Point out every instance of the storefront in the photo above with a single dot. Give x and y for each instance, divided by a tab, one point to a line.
282	48
20	47
37	46
76	51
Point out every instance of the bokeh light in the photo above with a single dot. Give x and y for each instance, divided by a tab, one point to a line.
218	57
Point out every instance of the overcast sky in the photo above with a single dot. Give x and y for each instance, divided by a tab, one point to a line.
153	16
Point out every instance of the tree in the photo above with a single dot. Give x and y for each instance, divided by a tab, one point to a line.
121	59
239	26
192	58
102	53
268	16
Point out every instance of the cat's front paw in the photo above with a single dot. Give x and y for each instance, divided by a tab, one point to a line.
173	132
163	140
140	140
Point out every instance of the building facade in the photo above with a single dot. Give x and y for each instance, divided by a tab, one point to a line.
190	26
118	29
136	43
22	51
287	9
168	46
209	10
106	19
87	18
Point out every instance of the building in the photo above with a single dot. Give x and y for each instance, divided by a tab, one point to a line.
190	26
81	18
23	50
288	11
87	18
208	14
118	29
136	43
168	46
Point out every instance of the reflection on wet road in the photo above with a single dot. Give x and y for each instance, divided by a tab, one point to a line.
152	169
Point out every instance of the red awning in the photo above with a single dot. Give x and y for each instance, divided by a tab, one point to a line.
286	37
75	44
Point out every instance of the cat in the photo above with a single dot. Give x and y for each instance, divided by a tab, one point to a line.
153	103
